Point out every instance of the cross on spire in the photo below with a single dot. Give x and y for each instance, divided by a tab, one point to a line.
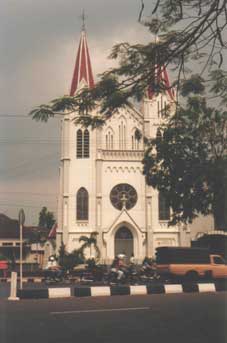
161	75
83	17
82	75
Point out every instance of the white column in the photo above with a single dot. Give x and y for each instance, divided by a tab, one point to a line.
98	177
65	181
149	250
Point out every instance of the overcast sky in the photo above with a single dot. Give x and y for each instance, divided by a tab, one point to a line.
38	44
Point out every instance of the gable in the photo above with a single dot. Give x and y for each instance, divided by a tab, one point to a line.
129	115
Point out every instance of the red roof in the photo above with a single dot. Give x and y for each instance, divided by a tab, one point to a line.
82	70
162	78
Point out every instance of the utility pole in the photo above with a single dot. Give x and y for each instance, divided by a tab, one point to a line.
21	223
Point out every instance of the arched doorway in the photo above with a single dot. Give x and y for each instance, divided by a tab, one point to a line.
123	242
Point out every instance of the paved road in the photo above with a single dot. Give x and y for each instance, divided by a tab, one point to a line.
175	318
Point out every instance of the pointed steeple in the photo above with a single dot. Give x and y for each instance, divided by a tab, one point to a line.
162	78
82	72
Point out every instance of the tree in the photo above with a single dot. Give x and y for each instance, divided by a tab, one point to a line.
184	33
46	218
216	243
188	31
90	242
187	160
69	260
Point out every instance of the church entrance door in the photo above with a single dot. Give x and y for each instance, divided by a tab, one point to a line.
124	242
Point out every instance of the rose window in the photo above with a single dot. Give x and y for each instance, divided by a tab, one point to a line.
123	195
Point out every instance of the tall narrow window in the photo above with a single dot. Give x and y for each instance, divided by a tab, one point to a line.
122	136
109	140
158	109
162	107
135	141
82	144
86	143
165	108
124	130
79	144
164	209
82	204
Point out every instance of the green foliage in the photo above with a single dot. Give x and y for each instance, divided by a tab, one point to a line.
193	85
138	134
89	242
187	161
217	244
187	31
46	218
42	113
69	260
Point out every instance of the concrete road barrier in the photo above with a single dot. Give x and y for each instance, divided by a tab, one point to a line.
173	288
206	287
87	291
59	292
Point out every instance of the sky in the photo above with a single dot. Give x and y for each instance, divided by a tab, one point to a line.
38	46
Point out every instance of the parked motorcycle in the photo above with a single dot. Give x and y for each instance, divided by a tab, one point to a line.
55	276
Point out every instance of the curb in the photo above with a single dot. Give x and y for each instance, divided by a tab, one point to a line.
96	291
31	280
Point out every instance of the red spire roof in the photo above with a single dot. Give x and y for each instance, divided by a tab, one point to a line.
82	70
162	77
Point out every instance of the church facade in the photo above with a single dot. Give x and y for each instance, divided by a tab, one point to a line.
102	186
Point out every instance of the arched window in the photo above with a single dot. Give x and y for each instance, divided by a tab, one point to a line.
164	209
82	204
86	143
123	233
79	144
135	141
122	135
109	139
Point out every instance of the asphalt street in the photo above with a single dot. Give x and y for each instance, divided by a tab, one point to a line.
183	318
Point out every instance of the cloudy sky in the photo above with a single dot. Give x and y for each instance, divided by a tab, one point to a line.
38	44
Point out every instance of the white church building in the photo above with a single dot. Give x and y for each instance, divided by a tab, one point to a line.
102	186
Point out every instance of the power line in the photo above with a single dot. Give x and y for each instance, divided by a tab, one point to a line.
25	206
32	193
13	116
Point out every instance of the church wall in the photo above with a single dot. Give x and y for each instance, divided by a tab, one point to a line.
123	172
81	173
115	157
